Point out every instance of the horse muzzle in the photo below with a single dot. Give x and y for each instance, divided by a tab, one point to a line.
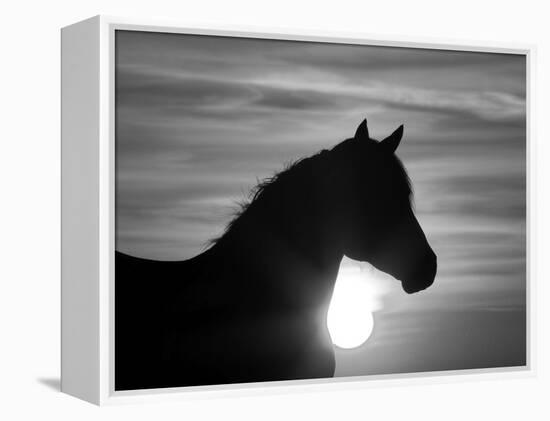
423	276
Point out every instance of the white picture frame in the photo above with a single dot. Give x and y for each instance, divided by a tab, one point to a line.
88	213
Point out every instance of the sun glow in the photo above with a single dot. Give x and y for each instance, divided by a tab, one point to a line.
350	318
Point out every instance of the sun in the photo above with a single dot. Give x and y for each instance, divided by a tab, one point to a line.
350	320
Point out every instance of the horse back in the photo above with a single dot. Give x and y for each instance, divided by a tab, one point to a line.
207	321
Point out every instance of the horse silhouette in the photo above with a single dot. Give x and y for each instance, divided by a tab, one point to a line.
253	306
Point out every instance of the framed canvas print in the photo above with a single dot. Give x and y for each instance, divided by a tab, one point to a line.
249	209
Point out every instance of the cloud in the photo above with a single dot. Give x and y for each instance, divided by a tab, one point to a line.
411	342
379	58
200	97
481	106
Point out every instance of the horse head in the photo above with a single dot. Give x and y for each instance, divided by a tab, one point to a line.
375	218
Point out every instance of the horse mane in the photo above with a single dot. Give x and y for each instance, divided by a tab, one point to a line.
269	187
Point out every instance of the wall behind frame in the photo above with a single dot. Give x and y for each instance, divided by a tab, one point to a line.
31	193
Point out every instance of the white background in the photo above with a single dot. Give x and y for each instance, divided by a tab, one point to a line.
29	231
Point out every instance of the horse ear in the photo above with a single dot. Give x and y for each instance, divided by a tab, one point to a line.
391	143
362	132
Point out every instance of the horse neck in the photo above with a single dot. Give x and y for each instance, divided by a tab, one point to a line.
300	227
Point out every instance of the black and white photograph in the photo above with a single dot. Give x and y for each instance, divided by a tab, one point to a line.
271	211
290	210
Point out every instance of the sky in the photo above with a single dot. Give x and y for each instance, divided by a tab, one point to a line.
200	120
